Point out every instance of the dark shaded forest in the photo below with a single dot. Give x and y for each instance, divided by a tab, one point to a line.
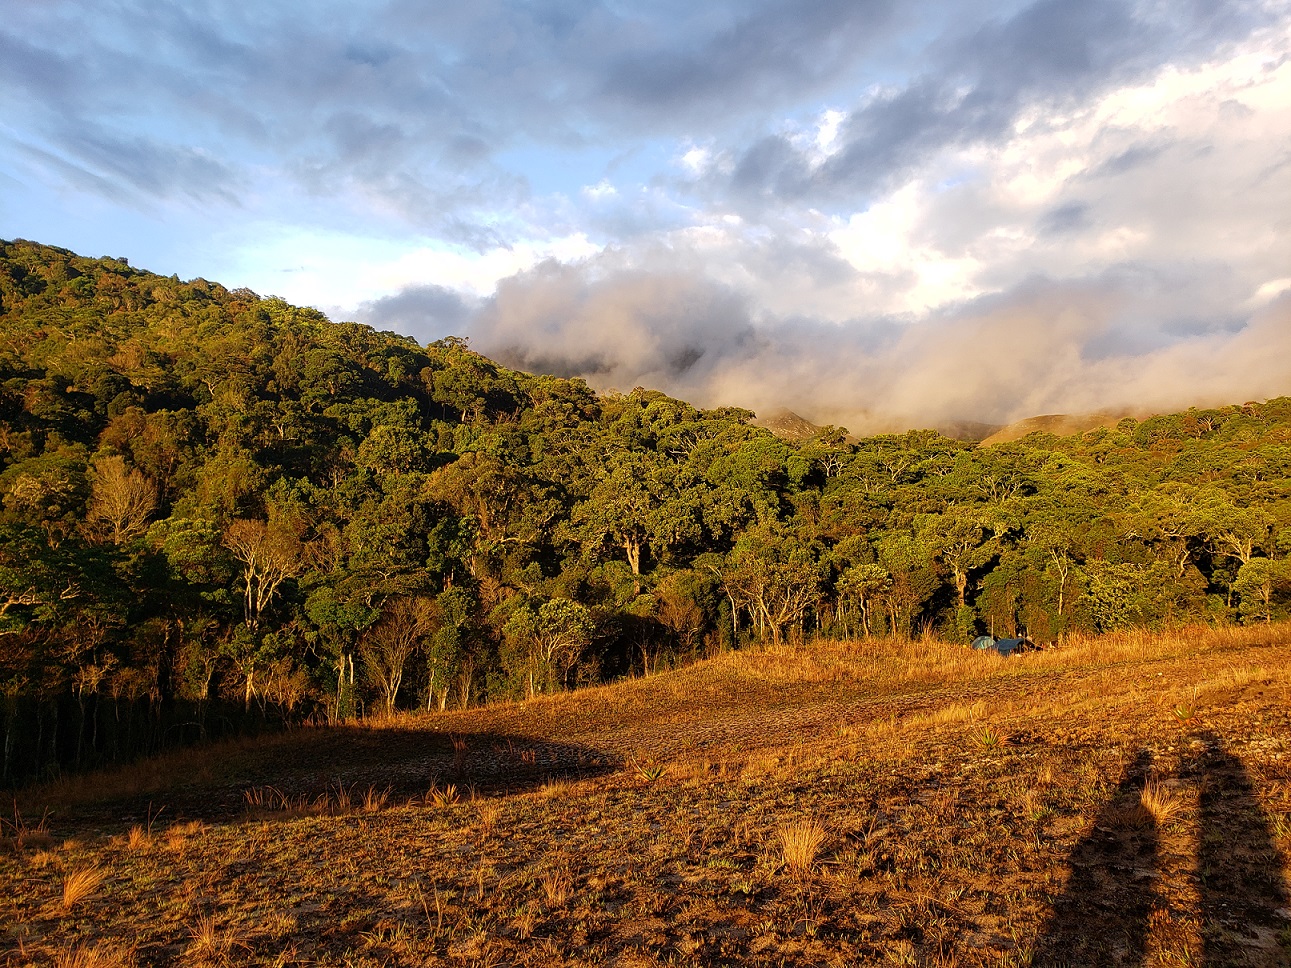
221	512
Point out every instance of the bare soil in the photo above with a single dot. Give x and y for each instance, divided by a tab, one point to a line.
975	810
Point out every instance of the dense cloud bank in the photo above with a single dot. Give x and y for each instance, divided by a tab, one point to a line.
1047	346
870	212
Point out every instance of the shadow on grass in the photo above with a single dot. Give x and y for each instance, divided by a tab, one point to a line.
306	764
1242	887
1105	915
1102	917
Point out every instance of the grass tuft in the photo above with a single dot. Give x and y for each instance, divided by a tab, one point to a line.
488	811
557	787
1159	802
442	796
375	800
557	885
209	943
23	833
95	956
81	884
800	842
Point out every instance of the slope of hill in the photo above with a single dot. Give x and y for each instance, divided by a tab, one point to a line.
787	425
1058	424
874	802
221	512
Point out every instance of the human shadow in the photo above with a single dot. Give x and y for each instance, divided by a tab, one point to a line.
1102	917
1239	868
294	772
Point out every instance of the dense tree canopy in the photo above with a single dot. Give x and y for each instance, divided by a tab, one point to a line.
208	495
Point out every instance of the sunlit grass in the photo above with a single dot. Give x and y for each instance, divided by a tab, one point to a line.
80	885
95	956
813	804
800	843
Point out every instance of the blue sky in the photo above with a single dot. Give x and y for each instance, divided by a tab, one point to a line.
875	213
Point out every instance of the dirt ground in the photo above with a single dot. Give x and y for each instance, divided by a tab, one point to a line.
1124	801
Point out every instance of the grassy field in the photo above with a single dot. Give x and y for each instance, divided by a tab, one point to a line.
1121	801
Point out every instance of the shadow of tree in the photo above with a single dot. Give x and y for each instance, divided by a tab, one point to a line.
307	763
1104	916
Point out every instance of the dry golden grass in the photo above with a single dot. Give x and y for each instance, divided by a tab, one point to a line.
43	858
95	956
1159	802
557	886
441	797
800	842
80	885
208	943
1156	806
557	787
488	812
950	714
374	799
940	849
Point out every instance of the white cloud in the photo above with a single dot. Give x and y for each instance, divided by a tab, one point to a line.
1101	190
602	189
336	272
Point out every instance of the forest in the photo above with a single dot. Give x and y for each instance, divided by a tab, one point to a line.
223	512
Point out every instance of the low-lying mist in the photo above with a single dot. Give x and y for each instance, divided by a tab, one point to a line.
1127	341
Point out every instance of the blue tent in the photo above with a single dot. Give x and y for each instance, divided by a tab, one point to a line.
1005	647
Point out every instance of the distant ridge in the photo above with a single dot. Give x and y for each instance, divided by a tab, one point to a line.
797	429
787	425
969	431
1059	424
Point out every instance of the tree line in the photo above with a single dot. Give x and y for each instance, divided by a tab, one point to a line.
218	506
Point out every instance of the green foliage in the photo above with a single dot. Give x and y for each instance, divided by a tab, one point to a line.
205	492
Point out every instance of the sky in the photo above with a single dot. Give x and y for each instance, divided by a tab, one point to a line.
878	214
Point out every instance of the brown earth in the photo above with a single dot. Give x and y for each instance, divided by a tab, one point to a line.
1124	801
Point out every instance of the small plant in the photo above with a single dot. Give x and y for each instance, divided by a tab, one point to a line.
988	738
648	770
800	842
1185	713
442	797
81	884
1039	813
375	799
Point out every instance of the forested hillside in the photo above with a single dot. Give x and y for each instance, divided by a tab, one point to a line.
217	500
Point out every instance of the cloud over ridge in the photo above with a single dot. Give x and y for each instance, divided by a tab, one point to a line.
873	213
